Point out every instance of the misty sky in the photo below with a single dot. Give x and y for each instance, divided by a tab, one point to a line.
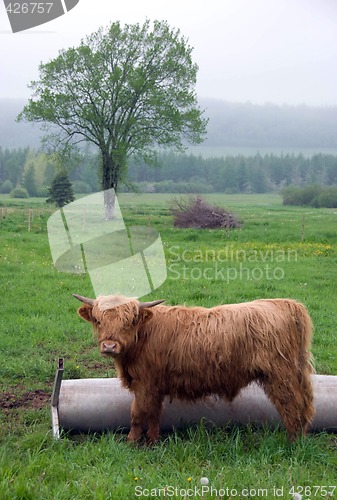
278	51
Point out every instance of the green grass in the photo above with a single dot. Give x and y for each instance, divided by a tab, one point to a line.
104	466
39	324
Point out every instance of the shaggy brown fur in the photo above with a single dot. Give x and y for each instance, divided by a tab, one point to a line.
192	352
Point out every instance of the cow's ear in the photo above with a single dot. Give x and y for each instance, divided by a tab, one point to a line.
85	312
144	315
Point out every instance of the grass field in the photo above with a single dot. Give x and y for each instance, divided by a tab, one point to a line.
277	252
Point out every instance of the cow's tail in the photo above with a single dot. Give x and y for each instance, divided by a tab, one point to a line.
304	328
305	361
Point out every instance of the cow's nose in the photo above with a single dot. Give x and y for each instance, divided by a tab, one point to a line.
107	347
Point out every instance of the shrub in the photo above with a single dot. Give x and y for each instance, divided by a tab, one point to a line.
313	195
19	192
290	195
6	187
197	213
327	198
309	193
294	195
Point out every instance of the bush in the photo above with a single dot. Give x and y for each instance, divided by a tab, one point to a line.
19	192
294	195
6	187
327	198
197	213
290	195
313	195
309	193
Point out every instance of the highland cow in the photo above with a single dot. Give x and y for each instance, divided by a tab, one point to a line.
193	352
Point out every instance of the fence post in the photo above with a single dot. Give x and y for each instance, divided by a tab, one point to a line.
227	228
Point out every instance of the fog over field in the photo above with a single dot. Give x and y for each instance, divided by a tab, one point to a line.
232	128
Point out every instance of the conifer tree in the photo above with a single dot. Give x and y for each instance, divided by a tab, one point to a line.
61	191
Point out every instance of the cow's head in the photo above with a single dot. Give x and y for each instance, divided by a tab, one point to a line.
116	320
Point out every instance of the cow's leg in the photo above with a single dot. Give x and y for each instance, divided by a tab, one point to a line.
308	412
137	421
145	412
153	420
295	409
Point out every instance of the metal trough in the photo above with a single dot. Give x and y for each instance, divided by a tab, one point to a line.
99	404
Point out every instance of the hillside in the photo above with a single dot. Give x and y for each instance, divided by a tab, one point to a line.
230	124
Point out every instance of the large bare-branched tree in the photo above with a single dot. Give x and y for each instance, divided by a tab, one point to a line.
127	90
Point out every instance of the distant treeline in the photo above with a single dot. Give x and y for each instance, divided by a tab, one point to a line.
230	125
23	167
233	174
173	173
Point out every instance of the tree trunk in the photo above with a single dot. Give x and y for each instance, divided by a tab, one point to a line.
109	184
109	204
113	164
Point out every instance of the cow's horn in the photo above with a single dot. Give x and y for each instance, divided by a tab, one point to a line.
150	304
86	300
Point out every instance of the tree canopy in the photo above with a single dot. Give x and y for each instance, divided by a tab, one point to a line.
125	89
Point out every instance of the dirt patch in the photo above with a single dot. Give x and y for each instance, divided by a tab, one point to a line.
98	366
34	400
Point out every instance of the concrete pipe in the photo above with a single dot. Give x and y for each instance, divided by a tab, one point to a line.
99	404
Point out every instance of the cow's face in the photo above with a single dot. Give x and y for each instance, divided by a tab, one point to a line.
117	327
